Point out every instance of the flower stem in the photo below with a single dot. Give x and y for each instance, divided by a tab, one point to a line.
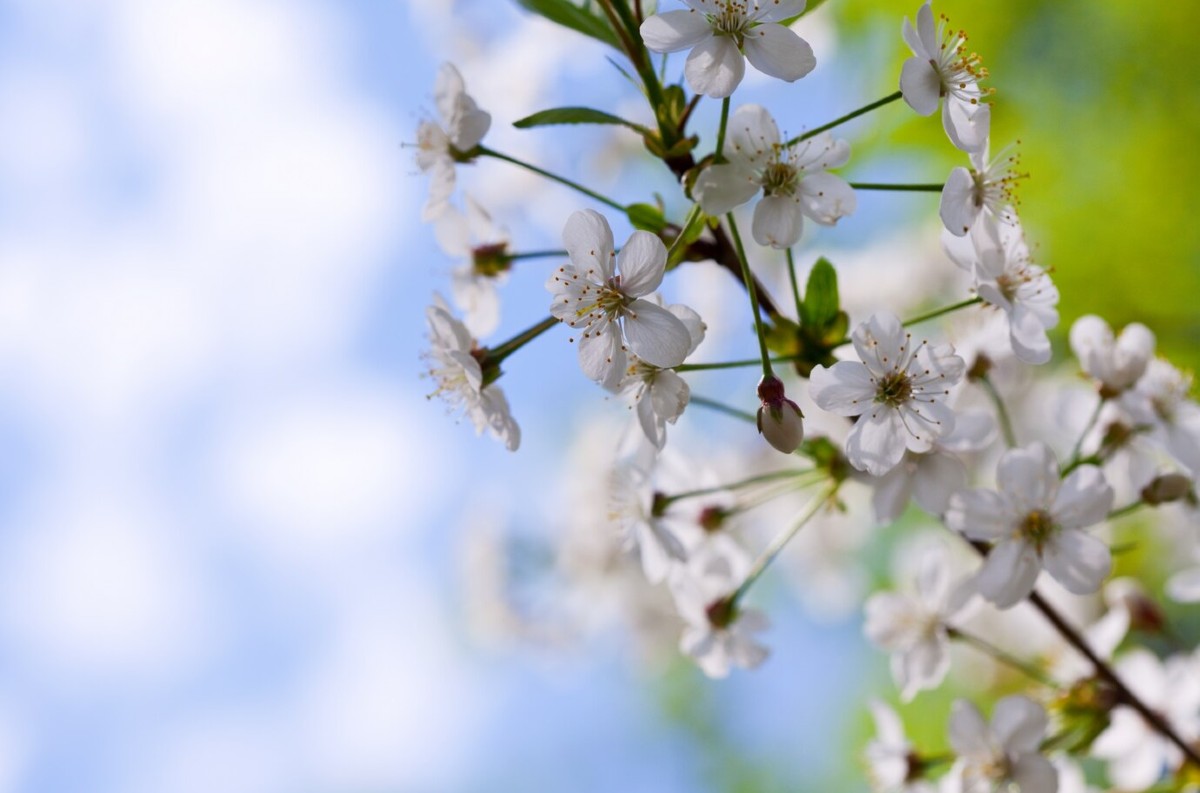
701	367
1121	512
780	542
486	152
512	257
1073	464
753	480
721	407
842	120
987	648
719	154
748	278
795	285
1006	426
910	188
498	354
974	301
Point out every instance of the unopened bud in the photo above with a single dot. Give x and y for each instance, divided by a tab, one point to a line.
1167	488
980	368
779	418
1144	613
712	518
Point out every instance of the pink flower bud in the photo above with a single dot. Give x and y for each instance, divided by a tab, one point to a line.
779	419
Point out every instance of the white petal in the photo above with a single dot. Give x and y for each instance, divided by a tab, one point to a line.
779	10
589	242
1008	573
652	425
974	430
715	67
779	52
669	394
889	730
887	620
1029	475
827	198
753	134
673	31
968	731
720	188
877	441
846	388
600	352
452	233
655	335
957	209
691	320
979	514
642	262
1033	773
1027	333
778	222
966	125
924	665
1090	333
448	87
881	342
1078	561
441	187
1184	586
920	85
927	31
892	493
938	477
1019	724
1084	498
471	124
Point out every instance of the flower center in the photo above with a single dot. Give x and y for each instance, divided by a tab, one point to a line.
491	260
730	21
1037	527
959	70
779	178
894	389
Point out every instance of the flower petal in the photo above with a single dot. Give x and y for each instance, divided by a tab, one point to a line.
846	388
979	514
877	441
642	262
1029	475
777	51
966	125
1033	773
1019	724
778	222
589	242
1077	560
669	395
779	10
753	135
448	87
600	352
920	85
715	67
958	209
655	335
968	731
1009	573
892	493
827	198
1083	499
673	31
938	477
720	188
881	342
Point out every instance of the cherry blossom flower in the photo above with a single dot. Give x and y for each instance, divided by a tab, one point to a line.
985	191
439	146
779	418
913	627
1036	521
607	306
720	32
454	364
892	764
718	636
1184	585
1006	751
998	258
1159	400
941	69
898	392
660	395
1115	362
631	507
792	179
1136	753
475	238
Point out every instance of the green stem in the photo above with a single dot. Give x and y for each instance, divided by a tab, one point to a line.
719	154
486	152
748	278
1071	466
753	480
795	286
498	354
842	120
1121	512
987	648
910	188
1091	459
779	544
1006	426
702	367
721	407
974	301
512	257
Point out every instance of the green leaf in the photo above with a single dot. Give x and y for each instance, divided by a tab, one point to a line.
646	217
820	296
572	16
576	115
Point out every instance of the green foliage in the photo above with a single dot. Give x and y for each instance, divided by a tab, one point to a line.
576	115
647	217
575	17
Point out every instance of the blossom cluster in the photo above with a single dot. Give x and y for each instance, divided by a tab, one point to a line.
868	416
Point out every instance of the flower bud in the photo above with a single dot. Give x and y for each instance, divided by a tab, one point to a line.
1144	612
1166	488
779	418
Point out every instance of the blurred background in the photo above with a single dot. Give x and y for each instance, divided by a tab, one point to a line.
239	548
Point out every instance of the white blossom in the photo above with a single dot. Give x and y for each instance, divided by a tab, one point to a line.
1137	754
983	192
1115	362
792	179
607	307
718	637
631	507
898	391
660	395
890	756
941	69
1004	752
439	146
1035	520
1160	400
460	379
720	32
483	246
914	627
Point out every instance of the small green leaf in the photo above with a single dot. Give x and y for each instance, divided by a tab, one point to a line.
820	296
646	217
576	115
572	16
